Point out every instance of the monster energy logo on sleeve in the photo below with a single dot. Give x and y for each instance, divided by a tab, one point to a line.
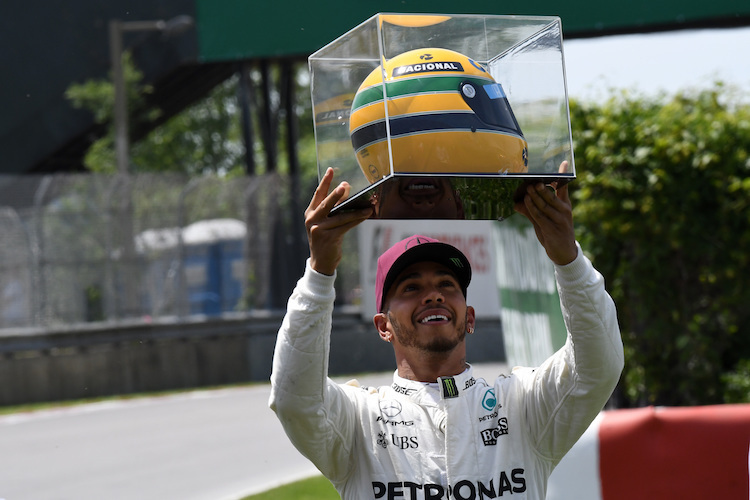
450	390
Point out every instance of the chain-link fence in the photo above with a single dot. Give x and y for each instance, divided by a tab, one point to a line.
82	248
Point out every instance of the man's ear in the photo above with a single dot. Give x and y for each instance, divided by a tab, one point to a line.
381	323
470	318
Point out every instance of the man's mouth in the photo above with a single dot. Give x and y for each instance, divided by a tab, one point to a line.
420	187
433	318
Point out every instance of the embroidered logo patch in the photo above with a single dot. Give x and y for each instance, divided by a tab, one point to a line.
450	389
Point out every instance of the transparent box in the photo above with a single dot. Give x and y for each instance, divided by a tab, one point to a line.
477	108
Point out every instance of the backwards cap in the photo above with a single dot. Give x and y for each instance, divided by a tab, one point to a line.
414	249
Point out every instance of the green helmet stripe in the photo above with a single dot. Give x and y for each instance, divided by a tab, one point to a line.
411	86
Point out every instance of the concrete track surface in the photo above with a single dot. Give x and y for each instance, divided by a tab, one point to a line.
203	445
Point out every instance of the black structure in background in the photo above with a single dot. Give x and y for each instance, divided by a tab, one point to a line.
50	44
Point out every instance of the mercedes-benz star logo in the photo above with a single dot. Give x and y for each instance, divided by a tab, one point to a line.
390	408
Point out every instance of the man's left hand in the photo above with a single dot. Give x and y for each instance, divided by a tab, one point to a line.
551	213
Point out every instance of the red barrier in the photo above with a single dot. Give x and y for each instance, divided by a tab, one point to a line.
675	453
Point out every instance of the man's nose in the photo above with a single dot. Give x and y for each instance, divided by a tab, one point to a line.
433	295
422	204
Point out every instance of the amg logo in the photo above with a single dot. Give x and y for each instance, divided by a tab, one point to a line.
427	68
507	483
405	423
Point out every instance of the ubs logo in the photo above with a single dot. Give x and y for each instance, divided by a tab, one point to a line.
400	442
382	439
404	442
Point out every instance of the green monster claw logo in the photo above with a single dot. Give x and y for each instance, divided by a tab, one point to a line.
450	390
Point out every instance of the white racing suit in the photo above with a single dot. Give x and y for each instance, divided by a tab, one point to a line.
462	438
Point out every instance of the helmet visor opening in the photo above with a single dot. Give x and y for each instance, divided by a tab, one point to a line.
490	104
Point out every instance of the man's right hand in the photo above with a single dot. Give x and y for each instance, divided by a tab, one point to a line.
325	234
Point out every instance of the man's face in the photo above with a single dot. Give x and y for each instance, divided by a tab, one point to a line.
419	197
426	309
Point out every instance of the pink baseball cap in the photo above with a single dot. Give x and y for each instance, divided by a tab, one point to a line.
414	249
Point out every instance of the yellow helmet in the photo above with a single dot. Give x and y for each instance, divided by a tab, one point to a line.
446	115
332	132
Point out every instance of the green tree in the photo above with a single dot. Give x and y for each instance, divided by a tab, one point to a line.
663	206
203	138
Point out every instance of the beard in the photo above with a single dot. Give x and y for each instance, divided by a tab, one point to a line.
406	335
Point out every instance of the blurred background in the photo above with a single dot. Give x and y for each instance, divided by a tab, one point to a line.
158	157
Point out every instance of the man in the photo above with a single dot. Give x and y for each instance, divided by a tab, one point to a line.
437	432
417	198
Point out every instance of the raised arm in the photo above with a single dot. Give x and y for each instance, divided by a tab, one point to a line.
570	388
315	413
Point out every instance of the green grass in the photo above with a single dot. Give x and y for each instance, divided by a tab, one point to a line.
314	488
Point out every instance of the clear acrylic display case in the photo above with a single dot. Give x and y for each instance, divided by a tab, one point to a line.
476	108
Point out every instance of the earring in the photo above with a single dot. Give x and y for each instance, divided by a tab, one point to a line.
470	330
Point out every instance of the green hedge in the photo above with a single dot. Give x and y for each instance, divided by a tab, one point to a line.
662	205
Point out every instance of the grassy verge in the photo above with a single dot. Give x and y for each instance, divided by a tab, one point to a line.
314	488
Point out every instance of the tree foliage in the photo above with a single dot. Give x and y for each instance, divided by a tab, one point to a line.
663	206
203	138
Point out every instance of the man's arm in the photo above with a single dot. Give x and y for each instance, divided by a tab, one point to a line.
569	389
567	392
315	413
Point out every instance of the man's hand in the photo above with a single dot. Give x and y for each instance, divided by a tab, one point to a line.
551	213
325	234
